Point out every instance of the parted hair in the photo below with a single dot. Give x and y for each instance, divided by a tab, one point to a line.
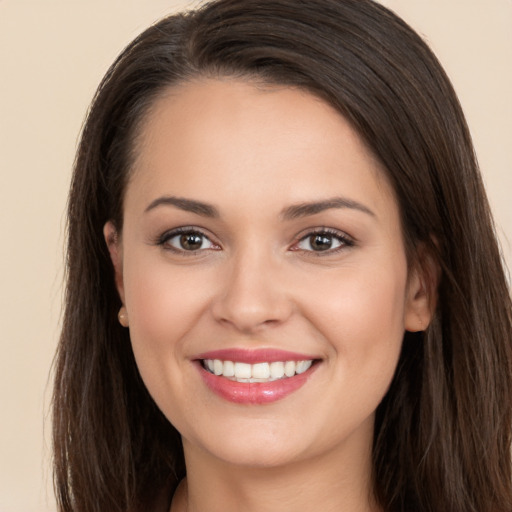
443	431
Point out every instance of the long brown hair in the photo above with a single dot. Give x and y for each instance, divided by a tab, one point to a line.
443	431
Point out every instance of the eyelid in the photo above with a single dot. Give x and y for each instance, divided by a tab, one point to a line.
163	239
346	240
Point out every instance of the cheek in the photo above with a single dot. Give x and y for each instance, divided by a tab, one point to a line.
164	305
360	313
163	302
359	302
363	323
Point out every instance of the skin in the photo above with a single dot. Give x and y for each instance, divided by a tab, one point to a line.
256	282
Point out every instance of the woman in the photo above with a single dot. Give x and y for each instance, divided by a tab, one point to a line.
284	288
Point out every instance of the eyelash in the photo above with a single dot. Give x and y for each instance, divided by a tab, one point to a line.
165	238
344	240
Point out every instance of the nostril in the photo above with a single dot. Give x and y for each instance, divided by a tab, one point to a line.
249	315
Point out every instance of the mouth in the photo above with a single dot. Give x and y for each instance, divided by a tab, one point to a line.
257	376
260	372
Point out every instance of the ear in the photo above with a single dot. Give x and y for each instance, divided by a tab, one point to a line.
113	242
421	296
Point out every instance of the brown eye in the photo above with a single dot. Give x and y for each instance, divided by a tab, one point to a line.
324	241
320	242
186	241
191	241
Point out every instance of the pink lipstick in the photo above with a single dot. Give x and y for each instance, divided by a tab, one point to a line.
255	376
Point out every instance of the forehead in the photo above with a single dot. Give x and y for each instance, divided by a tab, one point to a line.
237	137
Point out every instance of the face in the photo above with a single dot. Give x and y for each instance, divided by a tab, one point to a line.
262	267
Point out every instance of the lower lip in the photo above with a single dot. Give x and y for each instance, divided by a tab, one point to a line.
254	392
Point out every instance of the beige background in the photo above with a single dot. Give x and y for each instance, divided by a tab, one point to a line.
52	55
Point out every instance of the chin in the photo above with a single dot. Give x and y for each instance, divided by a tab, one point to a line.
266	445
257	456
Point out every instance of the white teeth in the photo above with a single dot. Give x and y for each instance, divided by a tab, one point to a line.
302	366
259	372
277	370
289	368
243	371
229	369
218	367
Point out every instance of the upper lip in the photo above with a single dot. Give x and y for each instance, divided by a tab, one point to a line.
253	356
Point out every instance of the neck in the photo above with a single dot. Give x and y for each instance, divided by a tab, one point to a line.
329	483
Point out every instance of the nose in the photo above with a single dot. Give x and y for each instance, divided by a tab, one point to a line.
253	294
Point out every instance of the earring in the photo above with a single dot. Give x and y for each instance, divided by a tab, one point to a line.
123	317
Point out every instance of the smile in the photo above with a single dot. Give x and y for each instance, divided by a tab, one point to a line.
255	377
259	372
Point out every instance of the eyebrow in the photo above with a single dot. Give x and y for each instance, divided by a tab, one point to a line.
289	213
188	205
305	209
